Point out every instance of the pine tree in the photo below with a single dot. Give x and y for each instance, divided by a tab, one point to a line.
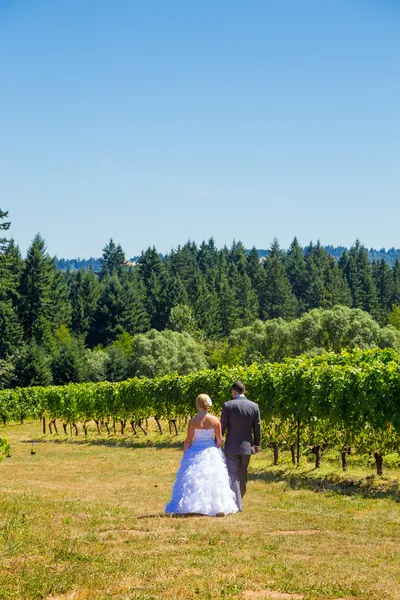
4	227
257	275
208	256
384	283
315	293
60	301
238	256
205	306
336	289
32	366
36	290
295	266
278	300
176	291
11	265
163	287
11	331
228	309
106	320
228	306
155	278
67	361
113	261
356	268
84	293
246	298
183	263
395	300
134	318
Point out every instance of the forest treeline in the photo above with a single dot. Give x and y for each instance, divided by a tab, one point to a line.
390	256
184	311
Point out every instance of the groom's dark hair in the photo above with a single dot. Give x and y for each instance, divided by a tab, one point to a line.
238	386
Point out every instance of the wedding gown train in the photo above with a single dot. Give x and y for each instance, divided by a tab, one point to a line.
202	481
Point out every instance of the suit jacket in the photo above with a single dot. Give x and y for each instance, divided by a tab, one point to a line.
240	418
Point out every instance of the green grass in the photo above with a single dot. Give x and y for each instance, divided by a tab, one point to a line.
83	520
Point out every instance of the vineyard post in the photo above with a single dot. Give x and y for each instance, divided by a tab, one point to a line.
298	441
379	462
275	450
293	453
344	458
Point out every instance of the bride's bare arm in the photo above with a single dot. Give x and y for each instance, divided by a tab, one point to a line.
189	437
218	434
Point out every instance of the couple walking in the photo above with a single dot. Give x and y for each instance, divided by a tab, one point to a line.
208	483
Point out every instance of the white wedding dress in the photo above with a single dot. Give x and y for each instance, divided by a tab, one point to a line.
202	481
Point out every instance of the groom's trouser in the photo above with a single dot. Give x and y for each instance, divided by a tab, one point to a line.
237	468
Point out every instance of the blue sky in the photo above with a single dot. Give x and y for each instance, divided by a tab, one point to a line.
158	121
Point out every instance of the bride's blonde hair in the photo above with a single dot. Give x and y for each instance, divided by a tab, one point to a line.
203	402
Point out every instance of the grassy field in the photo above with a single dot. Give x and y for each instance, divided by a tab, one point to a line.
83	520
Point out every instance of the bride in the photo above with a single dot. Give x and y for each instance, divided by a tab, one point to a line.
202	481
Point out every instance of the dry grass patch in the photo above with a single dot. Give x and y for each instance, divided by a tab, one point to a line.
295	532
85	521
262	594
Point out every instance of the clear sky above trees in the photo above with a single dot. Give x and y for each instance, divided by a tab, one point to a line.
155	122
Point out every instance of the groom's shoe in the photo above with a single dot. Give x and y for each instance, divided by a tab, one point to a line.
220	514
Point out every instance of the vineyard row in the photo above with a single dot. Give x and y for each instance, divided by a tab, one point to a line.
348	398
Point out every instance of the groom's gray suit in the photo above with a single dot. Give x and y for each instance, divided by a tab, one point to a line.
240	419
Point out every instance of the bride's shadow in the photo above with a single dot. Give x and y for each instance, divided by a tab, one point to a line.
162	515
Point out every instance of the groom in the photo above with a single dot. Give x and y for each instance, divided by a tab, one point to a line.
240	419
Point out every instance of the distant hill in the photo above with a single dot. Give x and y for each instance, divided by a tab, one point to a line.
74	264
336	251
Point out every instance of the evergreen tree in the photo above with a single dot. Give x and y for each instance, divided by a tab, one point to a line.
106	320
84	293
155	278
205	306
32	366
278	299
257	275
395	300
67	362
208	256
175	291
183	263
238	256
11	331
336	289
315	293
246	297
384	283
120	307
228	306
60	301
37	305
134	318
357	271
11	266
113	261
295	266
4	227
